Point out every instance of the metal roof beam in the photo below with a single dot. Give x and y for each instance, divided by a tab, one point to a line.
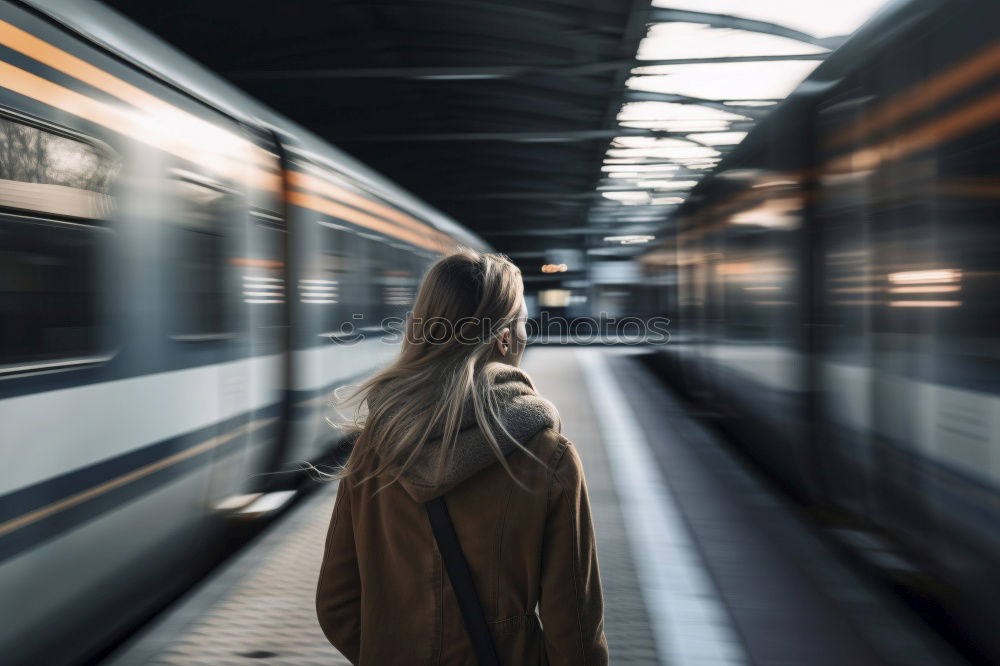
528	195
569	231
521	137
666	15
486	72
727	59
720	104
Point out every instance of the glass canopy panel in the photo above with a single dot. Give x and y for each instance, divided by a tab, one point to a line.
731	80
820	18
645	177
665	41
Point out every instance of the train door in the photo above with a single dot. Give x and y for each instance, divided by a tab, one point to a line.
700	265
205	218
712	325
259	268
905	242
845	305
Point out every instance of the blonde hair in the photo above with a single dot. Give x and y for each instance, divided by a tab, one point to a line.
465	302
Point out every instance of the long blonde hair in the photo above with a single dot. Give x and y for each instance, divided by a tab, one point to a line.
465	302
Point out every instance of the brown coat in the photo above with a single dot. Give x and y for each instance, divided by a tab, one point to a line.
384	599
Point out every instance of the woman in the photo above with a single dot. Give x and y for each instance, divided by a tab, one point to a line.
455	418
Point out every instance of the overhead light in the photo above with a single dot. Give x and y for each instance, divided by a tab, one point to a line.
677	125
667	200
925	304
690	150
639	167
629	240
718	138
639	111
750	102
554	268
927	276
667	184
627	196
635	175
635	161
926	289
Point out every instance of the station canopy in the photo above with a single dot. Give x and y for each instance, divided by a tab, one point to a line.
559	130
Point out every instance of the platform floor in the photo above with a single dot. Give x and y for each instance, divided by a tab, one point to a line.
702	564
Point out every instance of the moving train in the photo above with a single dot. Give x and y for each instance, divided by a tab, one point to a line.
833	293
185	277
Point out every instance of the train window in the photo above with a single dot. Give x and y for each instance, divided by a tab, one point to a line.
264	274
50	288
329	285
51	280
399	282
49	173
203	218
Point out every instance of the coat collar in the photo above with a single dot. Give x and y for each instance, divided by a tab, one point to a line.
522	412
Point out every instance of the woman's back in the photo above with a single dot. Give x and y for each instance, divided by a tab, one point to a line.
525	546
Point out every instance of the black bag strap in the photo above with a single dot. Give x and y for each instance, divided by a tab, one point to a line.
461	581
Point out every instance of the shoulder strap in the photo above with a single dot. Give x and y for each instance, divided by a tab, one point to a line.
461	581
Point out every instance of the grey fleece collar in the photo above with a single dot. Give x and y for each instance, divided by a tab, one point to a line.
522	412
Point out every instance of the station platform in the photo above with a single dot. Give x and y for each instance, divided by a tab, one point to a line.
702	563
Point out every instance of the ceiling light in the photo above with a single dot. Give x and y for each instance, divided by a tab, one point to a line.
646	161
667	184
718	138
638	167
678	125
627	197
750	102
629	240
926	276
670	152
673	111
635	175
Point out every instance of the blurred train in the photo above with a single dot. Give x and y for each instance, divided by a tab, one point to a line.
185	276
833	291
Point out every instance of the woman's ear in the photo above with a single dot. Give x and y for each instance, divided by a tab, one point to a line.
503	342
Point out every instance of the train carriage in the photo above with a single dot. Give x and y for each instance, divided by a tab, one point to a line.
185	278
836	295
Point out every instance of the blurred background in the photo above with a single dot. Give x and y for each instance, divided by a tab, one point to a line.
758	229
